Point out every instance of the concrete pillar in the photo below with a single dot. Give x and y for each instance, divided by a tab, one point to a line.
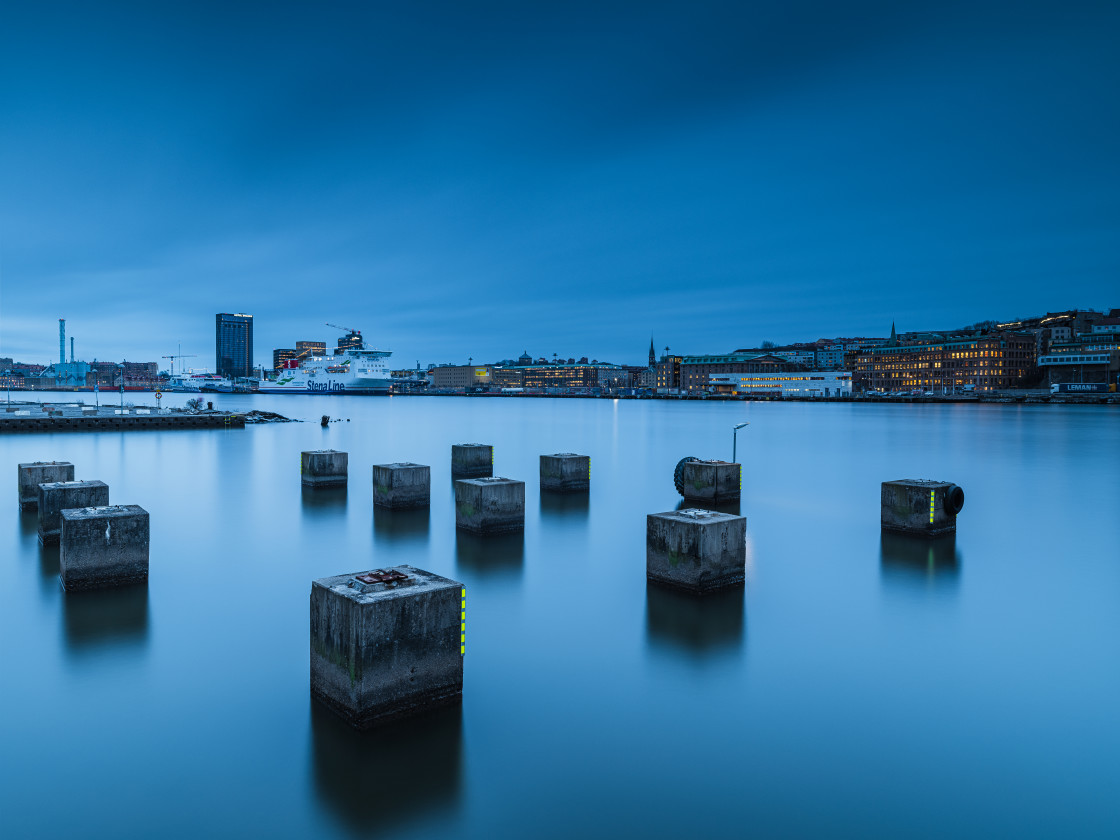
566	472
490	505
30	476
323	468
402	485
387	644
921	508
57	496
712	482
104	546
472	460
696	550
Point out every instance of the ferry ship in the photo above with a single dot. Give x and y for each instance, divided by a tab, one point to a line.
354	370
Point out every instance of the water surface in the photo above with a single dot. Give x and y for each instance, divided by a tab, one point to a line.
859	685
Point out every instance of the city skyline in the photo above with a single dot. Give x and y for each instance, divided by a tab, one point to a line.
718	174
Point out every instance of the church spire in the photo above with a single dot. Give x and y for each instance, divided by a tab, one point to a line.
894	336
652	353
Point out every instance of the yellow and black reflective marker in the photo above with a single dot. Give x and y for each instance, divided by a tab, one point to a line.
463	625
931	507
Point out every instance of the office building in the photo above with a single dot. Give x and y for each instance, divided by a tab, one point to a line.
281	356
233	344
981	362
311	348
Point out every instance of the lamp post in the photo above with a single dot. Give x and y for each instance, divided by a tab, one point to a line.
121	367
735	441
8	377
96	391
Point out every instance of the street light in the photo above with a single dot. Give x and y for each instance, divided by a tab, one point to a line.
735	441
8	377
122	383
96	392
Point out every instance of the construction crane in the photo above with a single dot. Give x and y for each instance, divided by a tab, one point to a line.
345	329
179	356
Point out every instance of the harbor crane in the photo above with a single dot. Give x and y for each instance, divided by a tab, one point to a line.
179	356
345	329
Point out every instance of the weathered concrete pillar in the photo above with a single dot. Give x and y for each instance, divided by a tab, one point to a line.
104	546
402	485
472	460
713	482
566	472
490	505
323	468
57	496
387	644
921	508
30	476
696	550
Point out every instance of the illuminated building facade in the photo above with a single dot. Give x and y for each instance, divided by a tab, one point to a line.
696	371
311	348
281	356
805	383
568	376
1093	358
980	362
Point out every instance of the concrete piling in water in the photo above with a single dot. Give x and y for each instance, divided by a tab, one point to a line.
402	485
696	550
920	508
57	496
387	644
104	546
323	468
472	460
710	482
566	472
30	476
490	505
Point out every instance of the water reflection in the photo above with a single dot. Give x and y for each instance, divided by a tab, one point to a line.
103	617
916	561
49	566
497	554
570	506
29	524
398	526
376	780
695	624
323	501
723	507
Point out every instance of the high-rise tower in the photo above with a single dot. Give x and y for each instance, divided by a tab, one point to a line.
233	344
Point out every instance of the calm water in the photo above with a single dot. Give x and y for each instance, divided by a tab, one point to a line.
857	686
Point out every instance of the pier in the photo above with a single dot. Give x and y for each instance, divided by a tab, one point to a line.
75	417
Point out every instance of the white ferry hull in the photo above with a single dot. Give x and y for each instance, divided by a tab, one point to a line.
326	387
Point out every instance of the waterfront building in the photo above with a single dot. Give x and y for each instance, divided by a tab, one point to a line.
576	376
504	376
668	372
696	371
311	348
281	356
233	344
981	362
807	383
1092	358
452	377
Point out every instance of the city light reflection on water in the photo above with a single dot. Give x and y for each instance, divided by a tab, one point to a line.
859	683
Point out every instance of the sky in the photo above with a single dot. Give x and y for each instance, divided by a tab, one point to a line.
479	179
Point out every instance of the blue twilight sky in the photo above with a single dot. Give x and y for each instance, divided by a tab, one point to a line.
477	179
